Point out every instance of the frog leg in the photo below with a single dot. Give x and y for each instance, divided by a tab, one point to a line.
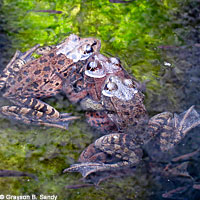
177	127
31	110
119	146
13	67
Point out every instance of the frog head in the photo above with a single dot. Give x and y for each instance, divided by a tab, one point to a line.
76	48
123	101
99	66
120	88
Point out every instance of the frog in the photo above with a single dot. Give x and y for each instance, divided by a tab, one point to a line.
27	80
100	81
123	150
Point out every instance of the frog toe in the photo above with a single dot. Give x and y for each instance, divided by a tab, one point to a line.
62	123
86	168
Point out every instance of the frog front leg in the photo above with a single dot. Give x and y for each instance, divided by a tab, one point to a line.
121	147
33	111
13	67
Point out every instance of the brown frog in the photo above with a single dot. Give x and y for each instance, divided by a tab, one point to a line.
124	150
112	98
25	80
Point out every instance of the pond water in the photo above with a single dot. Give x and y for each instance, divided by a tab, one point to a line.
158	42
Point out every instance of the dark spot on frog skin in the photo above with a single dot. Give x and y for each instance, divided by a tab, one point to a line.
44	108
34	103
30	90
51	55
57	84
28	80
61	62
43	60
4	75
35	85
25	73
10	79
37	72
47	68
19	79
10	70
46	75
20	88
135	123
13	82
52	112
126	113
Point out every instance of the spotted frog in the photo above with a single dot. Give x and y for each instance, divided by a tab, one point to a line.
112	98
26	80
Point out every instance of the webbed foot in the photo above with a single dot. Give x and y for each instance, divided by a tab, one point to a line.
110	152
87	168
174	128
187	120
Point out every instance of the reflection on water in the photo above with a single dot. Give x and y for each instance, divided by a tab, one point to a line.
144	35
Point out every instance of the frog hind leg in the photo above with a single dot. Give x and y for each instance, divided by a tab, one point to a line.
177	127
13	67
33	111
120	147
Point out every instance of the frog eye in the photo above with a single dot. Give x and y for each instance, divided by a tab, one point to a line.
91	66
110	86
88	49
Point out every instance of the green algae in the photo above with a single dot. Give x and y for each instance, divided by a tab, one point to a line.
133	32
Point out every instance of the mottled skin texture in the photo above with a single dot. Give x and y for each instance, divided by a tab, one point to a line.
95	90
25	80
